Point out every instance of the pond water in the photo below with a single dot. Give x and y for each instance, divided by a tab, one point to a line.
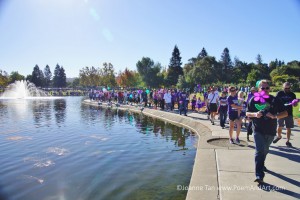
62	149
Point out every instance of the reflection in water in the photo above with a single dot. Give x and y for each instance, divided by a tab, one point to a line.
60	110
41	109
145	125
3	108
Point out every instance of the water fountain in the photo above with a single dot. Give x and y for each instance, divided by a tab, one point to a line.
22	90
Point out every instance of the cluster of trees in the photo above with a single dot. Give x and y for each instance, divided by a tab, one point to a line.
203	69
41	78
91	76
206	70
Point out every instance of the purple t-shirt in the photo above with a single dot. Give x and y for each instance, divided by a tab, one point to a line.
232	100
223	104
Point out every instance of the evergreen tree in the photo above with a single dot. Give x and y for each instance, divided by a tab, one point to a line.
175	68
226	64
259	59
202	54
62	77
56	76
59	79
37	76
48	75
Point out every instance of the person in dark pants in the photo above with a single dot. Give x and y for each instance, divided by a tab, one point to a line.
183	103
264	110
249	127
144	96
223	108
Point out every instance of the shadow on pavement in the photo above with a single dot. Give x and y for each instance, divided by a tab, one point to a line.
273	188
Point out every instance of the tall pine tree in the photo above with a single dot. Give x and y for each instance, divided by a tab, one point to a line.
175	68
202	54
48	75
226	64
59	79
37	76
62	77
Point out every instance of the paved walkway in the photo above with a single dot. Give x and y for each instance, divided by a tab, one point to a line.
234	168
226	171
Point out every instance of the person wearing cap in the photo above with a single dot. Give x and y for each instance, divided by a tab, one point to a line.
286	96
264	112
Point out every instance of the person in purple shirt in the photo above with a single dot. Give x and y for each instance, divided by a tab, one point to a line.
183	103
223	108
234	117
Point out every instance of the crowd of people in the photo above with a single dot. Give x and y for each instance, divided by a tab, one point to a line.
162	99
229	104
266	114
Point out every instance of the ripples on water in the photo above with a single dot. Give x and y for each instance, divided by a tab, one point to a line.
61	149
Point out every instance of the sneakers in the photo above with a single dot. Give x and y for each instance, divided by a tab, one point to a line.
237	140
231	141
276	139
259	181
288	144
248	139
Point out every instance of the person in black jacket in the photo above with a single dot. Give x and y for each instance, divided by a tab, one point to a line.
264	110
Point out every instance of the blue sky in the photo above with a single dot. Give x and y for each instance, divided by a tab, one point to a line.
79	33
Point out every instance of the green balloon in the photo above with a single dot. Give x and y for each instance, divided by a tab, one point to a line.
108	88
147	91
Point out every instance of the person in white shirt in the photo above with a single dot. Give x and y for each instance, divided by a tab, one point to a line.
212	101
168	99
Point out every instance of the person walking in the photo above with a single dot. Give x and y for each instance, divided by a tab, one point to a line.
233	112
168	99
212	101
286	96
264	110
183	103
194	100
223	108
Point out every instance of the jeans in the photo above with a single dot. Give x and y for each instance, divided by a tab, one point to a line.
182	108
262	144
223	117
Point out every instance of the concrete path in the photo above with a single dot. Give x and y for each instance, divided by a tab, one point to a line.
235	168
226	171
